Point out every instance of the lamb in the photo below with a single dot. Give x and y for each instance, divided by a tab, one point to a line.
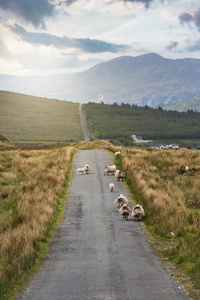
119	175
138	212
80	170
117	153
111	186
120	201
87	168
125	211
109	169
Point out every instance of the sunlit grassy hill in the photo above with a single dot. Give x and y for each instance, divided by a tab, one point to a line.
32	118
29	119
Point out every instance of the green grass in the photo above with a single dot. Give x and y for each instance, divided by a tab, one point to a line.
30	118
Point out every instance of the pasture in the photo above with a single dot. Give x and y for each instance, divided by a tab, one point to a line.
33	191
27	118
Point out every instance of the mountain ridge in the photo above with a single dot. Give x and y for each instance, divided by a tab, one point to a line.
148	79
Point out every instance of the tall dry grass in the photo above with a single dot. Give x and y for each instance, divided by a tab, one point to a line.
170	197
32	183
167	195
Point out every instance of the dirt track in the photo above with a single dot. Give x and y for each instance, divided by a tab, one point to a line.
95	254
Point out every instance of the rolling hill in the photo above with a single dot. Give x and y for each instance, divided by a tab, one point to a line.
29	118
147	79
35	120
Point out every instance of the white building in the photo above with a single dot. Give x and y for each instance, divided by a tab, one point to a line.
137	139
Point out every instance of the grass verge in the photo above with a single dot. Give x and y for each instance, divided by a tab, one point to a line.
34	187
157	179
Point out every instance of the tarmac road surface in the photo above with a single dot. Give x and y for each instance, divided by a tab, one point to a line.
95	254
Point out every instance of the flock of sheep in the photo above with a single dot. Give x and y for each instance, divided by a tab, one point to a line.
121	202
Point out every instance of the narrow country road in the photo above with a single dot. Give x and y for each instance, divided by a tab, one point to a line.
82	124
95	254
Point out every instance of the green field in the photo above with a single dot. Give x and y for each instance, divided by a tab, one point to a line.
29	118
33	120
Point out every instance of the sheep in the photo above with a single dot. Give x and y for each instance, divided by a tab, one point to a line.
109	169
138	212
182	169
111	186
117	153
120	201
125	211
80	170
119	175
87	168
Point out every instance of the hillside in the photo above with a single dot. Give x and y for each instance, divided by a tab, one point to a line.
193	104
121	121
28	118
4	142
31	118
147	79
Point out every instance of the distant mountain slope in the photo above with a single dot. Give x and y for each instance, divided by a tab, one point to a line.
193	104
146	79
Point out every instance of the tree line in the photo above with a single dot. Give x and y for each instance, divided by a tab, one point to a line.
121	121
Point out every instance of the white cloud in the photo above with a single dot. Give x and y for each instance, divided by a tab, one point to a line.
69	35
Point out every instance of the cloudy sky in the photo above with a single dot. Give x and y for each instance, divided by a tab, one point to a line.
64	36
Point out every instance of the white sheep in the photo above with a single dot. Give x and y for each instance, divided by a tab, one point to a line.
117	153
138	212
109	169
87	168
125	211
80	170
111	186
120	201
119	175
